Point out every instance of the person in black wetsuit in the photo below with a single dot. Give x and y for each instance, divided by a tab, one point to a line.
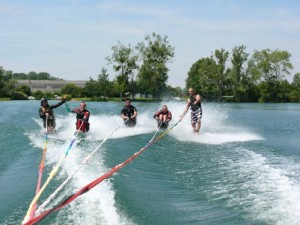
194	102
163	117
82	118
47	114
129	113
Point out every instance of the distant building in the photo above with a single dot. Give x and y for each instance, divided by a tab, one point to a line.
49	85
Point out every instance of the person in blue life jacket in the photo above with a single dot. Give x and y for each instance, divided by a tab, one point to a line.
163	117
47	114
129	113
194	103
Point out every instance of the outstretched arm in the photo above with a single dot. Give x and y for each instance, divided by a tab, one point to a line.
58	104
186	108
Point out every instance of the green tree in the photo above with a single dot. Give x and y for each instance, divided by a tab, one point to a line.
17	95
239	81
199	77
124	61
24	89
296	80
7	85
294	94
270	66
105	86
155	54
91	88
20	76
38	94
71	89
220	77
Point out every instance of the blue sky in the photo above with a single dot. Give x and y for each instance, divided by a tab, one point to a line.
70	39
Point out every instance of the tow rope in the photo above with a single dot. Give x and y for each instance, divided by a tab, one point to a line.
41	168
51	175
42	206
91	185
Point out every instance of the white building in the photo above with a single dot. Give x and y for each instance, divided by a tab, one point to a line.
49	85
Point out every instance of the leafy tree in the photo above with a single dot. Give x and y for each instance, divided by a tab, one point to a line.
6	84
20	76
38	94
124	62
72	90
24	89
91	88
17	95
199	77
34	76
294	94
155	54
271	67
220	77
104	84
238	76
296	80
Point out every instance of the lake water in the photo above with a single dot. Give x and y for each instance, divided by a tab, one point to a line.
242	169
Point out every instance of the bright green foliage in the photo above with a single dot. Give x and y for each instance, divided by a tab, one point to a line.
72	89
124	61
6	84
24	89
220	77
270	67
153	74
17	95
199	77
240	83
104	85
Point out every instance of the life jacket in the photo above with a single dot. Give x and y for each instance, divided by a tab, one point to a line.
164	113
128	111
80	115
48	110
194	107
84	126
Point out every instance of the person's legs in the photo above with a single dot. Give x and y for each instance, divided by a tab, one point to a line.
164	118
196	120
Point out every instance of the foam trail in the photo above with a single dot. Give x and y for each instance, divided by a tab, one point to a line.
100	200
215	128
268	189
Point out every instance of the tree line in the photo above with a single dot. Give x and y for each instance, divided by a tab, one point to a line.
235	76
239	77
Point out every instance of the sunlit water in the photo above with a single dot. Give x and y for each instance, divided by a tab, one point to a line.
242	169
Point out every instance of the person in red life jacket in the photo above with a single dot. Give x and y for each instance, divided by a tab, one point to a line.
194	102
163	117
82	117
47	114
129	113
